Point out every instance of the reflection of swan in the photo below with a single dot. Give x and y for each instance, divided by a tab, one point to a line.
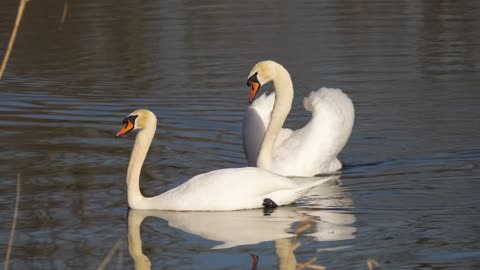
256	228
231	228
222	190
308	151
141	261
247	227
331	225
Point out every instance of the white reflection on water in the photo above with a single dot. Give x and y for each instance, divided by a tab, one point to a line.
247	227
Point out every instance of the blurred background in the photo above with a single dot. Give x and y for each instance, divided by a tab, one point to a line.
408	194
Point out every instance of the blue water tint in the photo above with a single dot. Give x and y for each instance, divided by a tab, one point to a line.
408	193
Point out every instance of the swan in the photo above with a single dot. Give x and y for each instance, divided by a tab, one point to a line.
220	190
308	151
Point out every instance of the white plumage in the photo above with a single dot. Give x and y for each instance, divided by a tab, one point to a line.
308	151
220	190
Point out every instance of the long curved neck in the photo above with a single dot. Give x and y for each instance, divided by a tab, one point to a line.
142	143
283	86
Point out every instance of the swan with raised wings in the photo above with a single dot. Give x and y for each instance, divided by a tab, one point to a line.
308	151
220	190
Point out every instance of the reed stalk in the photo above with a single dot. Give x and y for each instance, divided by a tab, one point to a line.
371	263
110	254
21	7
14	224
64	15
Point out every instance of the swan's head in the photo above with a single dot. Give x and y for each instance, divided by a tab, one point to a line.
139	119
262	73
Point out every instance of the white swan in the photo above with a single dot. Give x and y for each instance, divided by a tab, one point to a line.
308	151
220	190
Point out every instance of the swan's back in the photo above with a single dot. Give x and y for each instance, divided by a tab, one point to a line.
313	149
233	189
333	111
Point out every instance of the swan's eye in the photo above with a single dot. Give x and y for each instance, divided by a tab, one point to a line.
252	78
130	118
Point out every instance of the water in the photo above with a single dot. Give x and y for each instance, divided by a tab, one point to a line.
408	196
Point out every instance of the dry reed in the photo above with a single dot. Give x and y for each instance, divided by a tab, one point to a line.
14	224
21	7
110	254
371	263
64	15
302	227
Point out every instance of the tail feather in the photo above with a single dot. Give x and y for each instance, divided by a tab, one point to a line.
326	96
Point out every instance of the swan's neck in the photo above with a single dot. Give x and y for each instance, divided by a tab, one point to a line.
139	152
283	102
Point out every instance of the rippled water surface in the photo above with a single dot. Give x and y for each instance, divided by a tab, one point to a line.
408	193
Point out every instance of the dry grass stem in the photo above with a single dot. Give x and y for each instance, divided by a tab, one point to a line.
303	228
110	254
371	263
120	259
317	267
64	15
21	7
305	225
14	224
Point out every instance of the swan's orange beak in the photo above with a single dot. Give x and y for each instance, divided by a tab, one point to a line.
254	86
126	128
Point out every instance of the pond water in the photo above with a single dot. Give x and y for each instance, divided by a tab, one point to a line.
408	193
